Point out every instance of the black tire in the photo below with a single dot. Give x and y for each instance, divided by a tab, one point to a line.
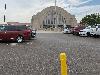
96	36
19	39
73	33
88	34
77	33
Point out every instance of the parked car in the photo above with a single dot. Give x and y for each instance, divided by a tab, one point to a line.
67	30
86	32
18	33
96	31
77	29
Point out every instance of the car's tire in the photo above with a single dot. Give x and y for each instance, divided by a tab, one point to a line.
73	33
96	36
19	39
77	34
88	34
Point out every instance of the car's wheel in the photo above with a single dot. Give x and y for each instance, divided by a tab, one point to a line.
96	36
73	33
77	34
19	39
88	34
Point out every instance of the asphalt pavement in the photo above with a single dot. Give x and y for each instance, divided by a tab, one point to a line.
40	56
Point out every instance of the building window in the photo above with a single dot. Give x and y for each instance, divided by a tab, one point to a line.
48	21
54	20
51	22
62	19
59	17
65	21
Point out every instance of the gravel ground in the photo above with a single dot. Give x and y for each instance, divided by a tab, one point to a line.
41	55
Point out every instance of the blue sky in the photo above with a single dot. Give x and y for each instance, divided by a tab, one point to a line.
93	2
22	10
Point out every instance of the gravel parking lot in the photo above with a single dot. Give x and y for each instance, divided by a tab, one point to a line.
41	55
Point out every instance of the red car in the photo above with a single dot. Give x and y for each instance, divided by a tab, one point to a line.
15	33
77	29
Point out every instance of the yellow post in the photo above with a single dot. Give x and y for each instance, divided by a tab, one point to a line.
64	66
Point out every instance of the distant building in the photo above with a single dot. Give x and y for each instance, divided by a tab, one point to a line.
48	17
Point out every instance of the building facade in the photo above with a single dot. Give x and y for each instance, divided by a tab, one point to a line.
49	17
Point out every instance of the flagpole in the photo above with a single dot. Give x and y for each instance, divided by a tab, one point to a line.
5	13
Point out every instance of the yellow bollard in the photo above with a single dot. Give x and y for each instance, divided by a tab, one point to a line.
64	66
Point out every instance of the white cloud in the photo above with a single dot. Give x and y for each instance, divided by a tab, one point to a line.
74	1
85	2
81	12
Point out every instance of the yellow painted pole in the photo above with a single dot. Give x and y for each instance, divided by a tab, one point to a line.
64	66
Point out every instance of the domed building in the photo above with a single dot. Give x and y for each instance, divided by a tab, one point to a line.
48	17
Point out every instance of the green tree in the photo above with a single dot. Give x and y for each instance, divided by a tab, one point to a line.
92	19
